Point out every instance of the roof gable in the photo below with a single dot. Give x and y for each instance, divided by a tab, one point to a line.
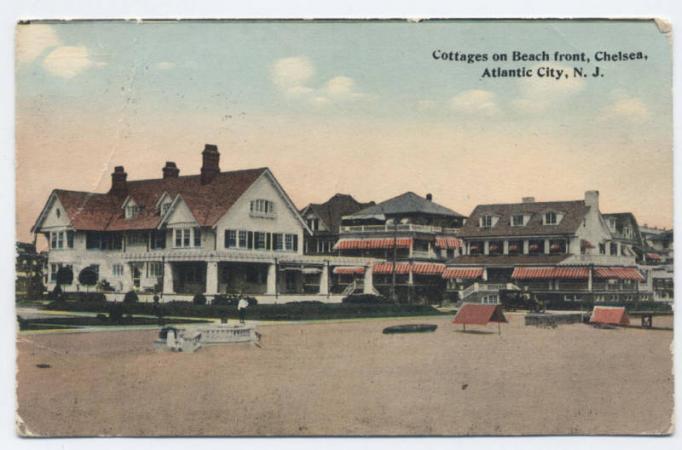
331	211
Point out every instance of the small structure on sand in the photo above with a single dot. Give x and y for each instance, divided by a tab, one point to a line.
609	315
479	314
228	334
178	340
549	320
412	328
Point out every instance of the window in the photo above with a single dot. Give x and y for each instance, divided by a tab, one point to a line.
260	241
476	248
58	212
557	246
230	238
515	247
243	239
136	239
95	240
155	269
117	270
187	237
517	220
536	247
602	249
157	240
262	208
495	247
278	242
61	239
550	218
314	224
164	208
486	222
132	211
613	249
291	242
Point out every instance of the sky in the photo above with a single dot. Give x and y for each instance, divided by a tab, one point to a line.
361	108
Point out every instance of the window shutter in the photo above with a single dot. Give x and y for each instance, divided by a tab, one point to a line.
268	241
295	242
226	233
250	238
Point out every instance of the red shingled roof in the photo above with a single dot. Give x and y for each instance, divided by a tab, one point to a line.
207	202
479	314
615	315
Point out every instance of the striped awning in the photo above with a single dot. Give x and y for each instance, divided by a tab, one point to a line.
619	273
653	256
349	270
403	268
463	273
551	273
366	244
447	242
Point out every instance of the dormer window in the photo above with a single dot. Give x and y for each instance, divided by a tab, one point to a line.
486	222
314	224
164	208
262	208
517	220
132	211
551	218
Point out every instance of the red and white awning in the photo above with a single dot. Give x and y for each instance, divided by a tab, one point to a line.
369	244
551	273
349	270
447	242
463	273
404	268
619	273
653	256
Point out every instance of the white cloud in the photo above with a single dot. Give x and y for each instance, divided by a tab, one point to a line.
537	95
68	61
630	109
165	65
475	102
33	40
293	76
292	72
425	105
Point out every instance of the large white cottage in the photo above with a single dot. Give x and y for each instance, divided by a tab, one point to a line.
176	236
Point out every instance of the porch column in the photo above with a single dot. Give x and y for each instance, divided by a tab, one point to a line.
271	287
484	277
211	278
525	246
589	278
368	285
505	247
324	280
168	278
486	247
127	277
546	247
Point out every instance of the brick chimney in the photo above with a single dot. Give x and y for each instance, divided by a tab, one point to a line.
592	199
528	200
119	185
170	170
210	163
429	197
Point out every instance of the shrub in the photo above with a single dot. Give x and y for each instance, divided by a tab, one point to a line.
116	311
88	277
84	297
199	299
252	301
131	297
64	275
56	294
156	299
102	317
222	300
366	299
105	286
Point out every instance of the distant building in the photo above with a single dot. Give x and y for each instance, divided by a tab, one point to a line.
324	220
420	233
29	271
658	245
625	230
561	250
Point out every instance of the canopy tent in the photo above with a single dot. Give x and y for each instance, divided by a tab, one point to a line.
479	314
610	315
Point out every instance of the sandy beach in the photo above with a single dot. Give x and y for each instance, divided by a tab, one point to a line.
347	378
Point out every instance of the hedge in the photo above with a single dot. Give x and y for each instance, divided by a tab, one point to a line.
288	311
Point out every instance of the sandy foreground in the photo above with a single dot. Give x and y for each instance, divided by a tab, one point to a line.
347	378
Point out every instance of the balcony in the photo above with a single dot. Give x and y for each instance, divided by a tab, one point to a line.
407	227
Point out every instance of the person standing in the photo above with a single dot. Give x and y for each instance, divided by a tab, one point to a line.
241	308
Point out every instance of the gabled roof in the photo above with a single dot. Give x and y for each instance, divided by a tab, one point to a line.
623	219
331	211
208	202
407	203
573	215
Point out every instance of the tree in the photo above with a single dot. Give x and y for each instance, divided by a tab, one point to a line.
88	277
64	275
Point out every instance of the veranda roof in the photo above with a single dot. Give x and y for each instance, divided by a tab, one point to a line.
403	268
619	273
376	243
551	273
447	242
464	273
349	270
